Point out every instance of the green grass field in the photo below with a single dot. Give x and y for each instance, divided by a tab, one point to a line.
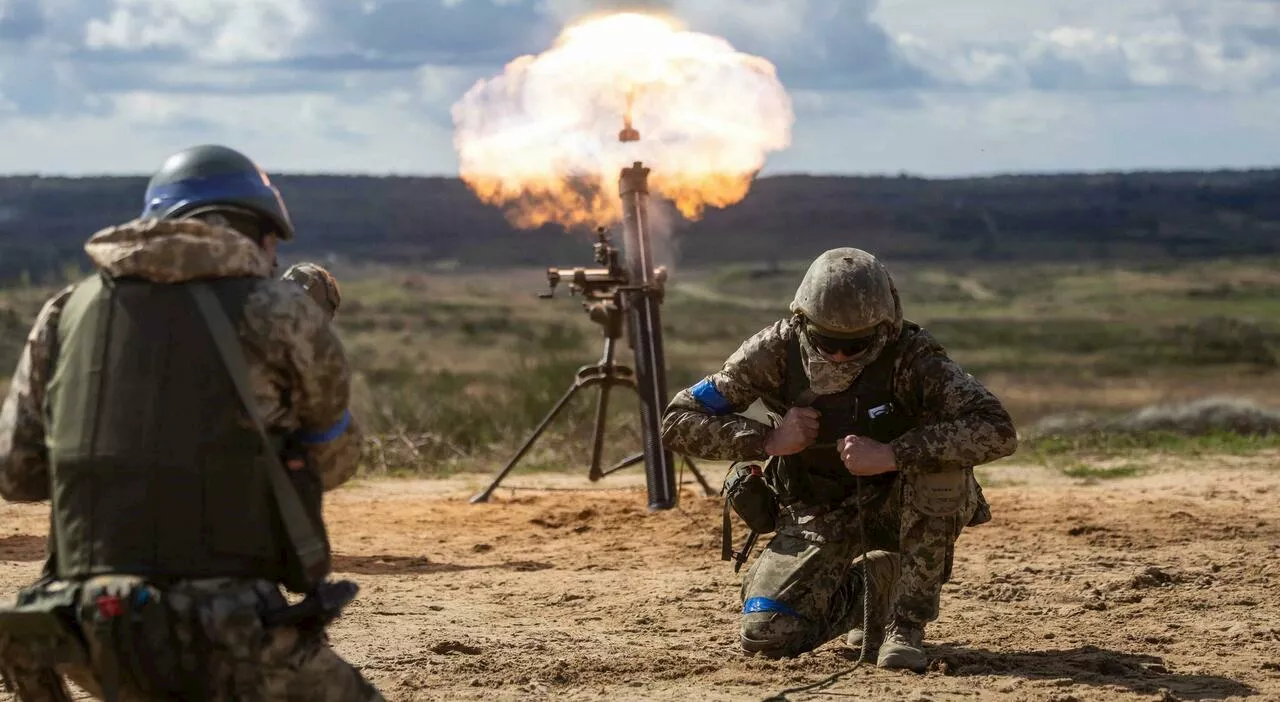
454	368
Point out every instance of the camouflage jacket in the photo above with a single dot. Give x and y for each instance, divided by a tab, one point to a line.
297	366
961	423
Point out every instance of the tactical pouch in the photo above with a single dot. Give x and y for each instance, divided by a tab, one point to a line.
940	494
982	515
139	643
750	496
746	491
42	622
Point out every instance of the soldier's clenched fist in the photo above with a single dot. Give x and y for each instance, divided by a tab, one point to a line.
797	430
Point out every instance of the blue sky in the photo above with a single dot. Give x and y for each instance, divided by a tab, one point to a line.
931	87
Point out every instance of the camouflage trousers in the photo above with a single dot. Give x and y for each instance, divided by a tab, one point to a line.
806	588
209	643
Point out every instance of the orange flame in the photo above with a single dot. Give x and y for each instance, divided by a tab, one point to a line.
541	140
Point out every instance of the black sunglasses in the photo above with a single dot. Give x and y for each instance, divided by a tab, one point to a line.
831	345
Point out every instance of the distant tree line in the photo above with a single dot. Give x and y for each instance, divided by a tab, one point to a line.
1142	216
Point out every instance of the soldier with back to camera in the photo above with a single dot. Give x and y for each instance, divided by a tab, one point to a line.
151	406
871	408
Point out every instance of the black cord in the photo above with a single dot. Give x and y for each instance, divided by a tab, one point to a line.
782	696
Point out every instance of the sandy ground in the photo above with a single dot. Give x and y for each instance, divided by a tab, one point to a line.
1161	587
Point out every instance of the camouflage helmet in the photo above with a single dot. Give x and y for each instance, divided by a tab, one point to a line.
847	293
319	284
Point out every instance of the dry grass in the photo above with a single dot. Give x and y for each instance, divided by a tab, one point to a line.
455	367
1213	415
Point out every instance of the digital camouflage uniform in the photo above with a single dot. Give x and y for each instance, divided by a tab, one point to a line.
802	591
299	379
319	283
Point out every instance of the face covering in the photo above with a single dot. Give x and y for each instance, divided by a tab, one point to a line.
826	376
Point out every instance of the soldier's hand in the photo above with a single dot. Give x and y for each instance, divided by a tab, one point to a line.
794	433
866	457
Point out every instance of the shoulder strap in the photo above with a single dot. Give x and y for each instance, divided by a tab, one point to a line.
310	549
887	364
794	379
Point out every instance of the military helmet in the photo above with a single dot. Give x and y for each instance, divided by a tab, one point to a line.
204	177
847	294
319	284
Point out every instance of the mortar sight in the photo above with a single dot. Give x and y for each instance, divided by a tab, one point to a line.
592	283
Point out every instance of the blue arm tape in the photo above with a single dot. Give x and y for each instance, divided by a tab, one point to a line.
706	393
765	604
333	432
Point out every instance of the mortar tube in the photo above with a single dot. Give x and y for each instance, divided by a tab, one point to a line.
646	336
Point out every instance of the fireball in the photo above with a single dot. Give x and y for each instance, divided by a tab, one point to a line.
546	139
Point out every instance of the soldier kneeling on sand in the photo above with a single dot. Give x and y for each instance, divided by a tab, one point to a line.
151	406
879	434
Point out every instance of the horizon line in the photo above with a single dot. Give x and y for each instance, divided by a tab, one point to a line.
868	175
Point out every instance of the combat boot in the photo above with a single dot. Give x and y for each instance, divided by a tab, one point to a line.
903	647
854	640
882	572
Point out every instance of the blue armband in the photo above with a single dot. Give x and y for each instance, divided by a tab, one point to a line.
768	604
708	396
327	435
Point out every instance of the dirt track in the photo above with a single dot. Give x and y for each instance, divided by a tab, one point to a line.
1156	588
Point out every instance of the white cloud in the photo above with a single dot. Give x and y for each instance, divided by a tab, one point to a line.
148	109
442	85
213	30
931	86
952	134
309	132
1157	44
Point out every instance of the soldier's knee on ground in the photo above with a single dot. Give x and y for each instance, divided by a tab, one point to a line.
773	634
770	628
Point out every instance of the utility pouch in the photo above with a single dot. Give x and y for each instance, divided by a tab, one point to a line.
982	514
138	633
938	494
42	621
751	497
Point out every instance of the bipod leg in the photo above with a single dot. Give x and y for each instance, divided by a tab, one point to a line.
602	410
546	421
624	463
706	487
597	436
639	458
